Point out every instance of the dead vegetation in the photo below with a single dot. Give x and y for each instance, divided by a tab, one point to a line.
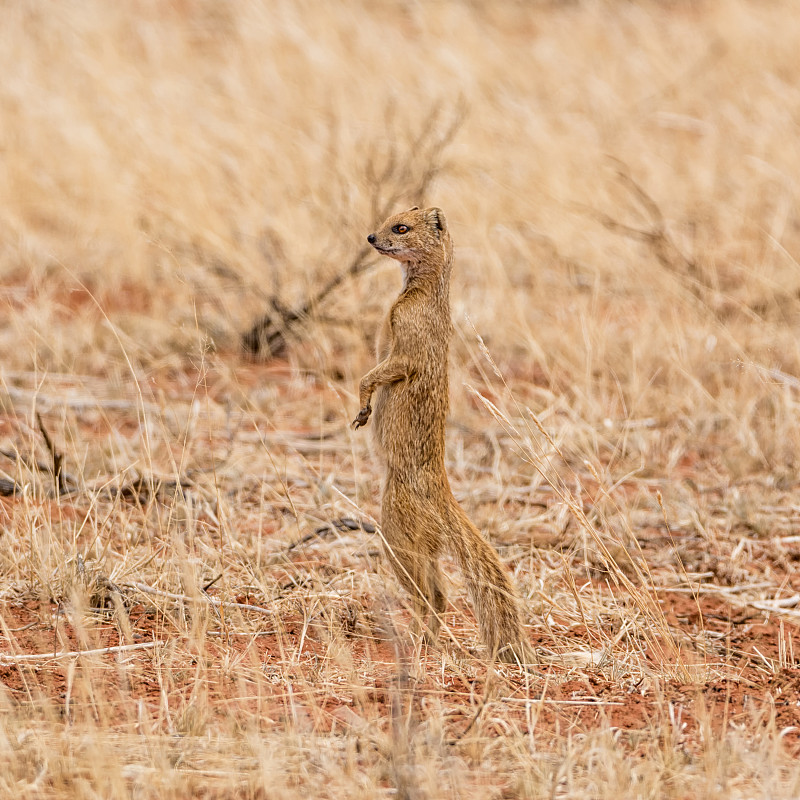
192	596
394	179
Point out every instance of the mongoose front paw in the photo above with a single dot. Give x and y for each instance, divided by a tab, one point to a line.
363	416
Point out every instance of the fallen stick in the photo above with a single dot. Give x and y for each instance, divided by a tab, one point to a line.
143	587
122	648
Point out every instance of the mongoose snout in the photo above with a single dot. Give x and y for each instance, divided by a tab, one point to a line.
420	518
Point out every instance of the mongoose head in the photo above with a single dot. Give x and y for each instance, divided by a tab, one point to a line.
413	236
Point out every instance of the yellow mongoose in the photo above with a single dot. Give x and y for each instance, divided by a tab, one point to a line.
419	515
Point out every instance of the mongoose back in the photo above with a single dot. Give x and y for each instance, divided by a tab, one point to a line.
420	517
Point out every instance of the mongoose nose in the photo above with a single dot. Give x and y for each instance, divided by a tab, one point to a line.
371	238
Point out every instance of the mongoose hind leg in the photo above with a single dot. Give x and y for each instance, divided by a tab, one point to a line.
413	546
414	576
438	599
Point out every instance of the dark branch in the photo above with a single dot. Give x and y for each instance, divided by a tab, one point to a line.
388	185
59	476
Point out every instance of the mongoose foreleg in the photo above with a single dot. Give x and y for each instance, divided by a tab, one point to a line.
390	370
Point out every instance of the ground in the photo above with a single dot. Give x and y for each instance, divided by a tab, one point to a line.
679	643
748	686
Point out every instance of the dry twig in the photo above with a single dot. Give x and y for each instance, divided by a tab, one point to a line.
656	236
60	478
212	601
100	651
399	178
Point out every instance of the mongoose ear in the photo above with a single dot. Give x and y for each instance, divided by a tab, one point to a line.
436	218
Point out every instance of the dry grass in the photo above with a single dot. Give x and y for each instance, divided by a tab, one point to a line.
626	376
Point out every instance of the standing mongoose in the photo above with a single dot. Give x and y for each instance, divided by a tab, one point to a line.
419	515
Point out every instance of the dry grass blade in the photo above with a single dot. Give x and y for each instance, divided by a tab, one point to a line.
658	633
655	236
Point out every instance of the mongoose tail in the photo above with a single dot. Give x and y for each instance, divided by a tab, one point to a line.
493	596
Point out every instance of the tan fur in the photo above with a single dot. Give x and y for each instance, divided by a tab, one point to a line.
419	516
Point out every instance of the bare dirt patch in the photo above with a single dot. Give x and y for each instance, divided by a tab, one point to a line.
750	687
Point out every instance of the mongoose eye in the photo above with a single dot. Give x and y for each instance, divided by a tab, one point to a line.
400	229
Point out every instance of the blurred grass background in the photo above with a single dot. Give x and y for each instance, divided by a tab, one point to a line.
187	162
